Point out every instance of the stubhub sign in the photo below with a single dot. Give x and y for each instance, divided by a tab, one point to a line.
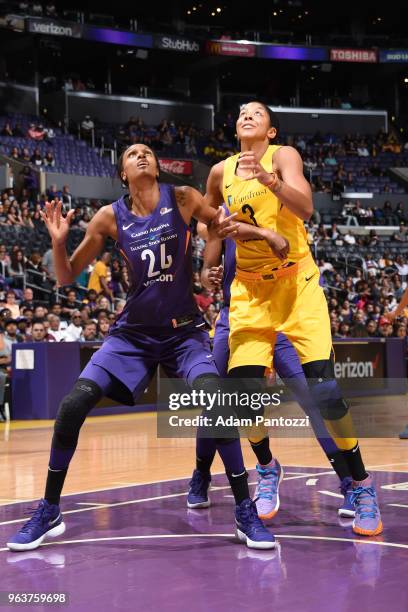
176	43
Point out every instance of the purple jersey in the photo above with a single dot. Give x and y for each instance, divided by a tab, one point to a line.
157	249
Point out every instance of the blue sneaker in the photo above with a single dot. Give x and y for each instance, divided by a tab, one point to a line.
198	493
250	528
267	490
404	434
45	522
346	488
367	520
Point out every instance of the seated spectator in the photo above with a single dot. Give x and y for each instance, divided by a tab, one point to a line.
55	327
53	193
401	235
48	264
49	159
69	305
14	153
36	9
25	156
50	10
84	221
26	219
333	233
17	268
385	329
371	328
349	238
17	131
11	304
36	158
14	216
362	150
39	332
66	196
89	332
103	328
90	299
372	239
87	127
11	333
74	330
401	266
399	212
330	160
400	331
7	130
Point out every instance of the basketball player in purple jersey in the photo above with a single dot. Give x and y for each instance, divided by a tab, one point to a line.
160	324
287	365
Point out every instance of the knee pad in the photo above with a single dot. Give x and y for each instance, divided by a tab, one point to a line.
75	407
327	395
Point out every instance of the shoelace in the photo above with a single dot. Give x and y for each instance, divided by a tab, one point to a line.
249	514
363	498
264	485
197	484
39	517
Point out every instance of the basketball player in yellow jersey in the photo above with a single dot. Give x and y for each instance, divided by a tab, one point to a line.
276	288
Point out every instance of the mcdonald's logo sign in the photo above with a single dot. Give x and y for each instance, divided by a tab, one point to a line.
227	47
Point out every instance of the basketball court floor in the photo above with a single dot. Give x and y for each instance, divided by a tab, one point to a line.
131	542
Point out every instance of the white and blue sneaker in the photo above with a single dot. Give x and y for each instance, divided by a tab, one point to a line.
267	489
46	522
250	528
198	493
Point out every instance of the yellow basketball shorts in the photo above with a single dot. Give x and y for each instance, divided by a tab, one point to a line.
291	302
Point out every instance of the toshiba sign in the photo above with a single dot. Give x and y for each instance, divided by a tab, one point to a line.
367	56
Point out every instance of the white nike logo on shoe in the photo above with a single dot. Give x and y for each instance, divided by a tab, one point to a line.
55	520
125	227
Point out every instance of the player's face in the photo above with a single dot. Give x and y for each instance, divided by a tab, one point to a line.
139	161
254	123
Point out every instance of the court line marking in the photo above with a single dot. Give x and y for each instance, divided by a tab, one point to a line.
399	505
139	501
94	504
219	535
324	492
310	482
151	482
141	484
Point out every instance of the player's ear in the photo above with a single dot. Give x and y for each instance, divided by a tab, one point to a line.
272	133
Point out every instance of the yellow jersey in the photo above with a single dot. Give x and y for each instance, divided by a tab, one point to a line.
256	204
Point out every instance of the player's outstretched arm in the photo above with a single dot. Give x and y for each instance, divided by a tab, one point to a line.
101	226
212	270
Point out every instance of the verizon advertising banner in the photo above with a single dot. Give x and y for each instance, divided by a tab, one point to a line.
359	365
177	166
227	47
367	56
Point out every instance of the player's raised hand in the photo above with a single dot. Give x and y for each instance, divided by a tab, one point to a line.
248	161
57	224
215	275
223	226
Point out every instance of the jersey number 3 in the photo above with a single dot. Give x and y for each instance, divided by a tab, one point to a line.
165	261
248	209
